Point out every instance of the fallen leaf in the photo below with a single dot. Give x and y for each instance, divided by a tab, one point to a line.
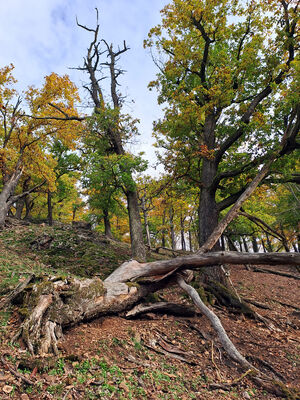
7	389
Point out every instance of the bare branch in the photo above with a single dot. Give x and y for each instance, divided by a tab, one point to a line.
13	199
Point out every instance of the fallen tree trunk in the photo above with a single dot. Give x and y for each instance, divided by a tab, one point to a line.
52	305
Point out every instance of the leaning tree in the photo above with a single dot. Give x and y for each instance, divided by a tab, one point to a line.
229	80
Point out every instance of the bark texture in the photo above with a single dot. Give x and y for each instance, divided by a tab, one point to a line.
53	304
6	195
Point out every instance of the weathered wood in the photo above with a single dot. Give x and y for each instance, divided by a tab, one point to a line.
161	307
55	305
216	323
133	270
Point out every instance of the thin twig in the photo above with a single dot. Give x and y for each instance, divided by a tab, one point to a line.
16	373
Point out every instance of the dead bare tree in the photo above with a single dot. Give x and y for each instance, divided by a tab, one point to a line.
93	65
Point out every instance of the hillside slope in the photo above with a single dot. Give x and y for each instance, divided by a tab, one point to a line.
153	357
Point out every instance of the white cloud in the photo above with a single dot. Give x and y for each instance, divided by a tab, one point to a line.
41	36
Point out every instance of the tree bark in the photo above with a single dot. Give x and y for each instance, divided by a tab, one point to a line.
208	213
29	203
146	223
245	245
269	244
6	195
21	202
254	244
50	208
190	240
172	231
163	232
107	226
231	245
183	245
136	232
56	304
19	208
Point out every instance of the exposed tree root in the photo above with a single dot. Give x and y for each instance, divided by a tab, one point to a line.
161	307
269	383
257	304
216	323
53	304
16	373
269	271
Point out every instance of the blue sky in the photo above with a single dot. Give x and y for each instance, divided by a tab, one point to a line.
41	36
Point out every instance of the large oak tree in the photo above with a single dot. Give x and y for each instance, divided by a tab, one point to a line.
228	77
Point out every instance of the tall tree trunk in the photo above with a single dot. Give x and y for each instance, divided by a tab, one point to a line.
245	245
208	213
254	244
263	245
163	233
136	232
172	231
183	245
146	223
29	203
21	202
6	195
107	226
50	208
190	240
269	244
19	207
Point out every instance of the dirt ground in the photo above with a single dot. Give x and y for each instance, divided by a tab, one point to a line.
117	358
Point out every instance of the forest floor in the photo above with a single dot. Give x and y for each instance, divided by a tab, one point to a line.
116	358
